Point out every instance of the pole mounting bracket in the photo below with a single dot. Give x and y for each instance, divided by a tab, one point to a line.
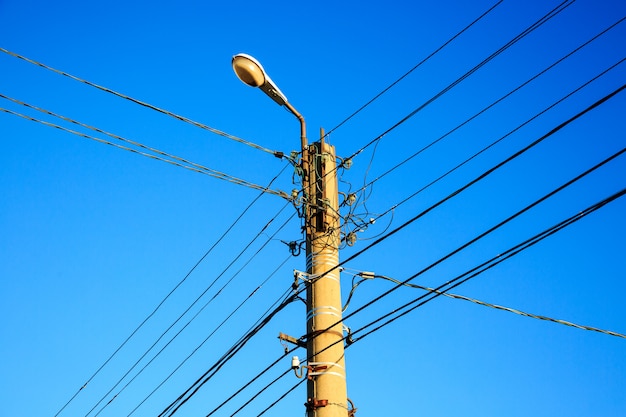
292	340
313	404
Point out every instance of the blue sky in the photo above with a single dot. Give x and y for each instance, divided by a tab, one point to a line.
94	237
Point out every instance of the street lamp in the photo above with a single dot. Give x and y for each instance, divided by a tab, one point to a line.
251	72
326	387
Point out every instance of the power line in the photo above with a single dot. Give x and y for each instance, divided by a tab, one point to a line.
503	98
176	162
471	274
503	48
485	174
423	61
458	191
212	333
453	283
475	155
193	389
144	104
185	312
399	284
228	230
522	313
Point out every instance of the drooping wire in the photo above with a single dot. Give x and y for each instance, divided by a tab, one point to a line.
511	132
175	161
423	61
399	284
520	312
213	332
503	98
455	282
193	389
187	310
154	311
441	290
554	12
143	103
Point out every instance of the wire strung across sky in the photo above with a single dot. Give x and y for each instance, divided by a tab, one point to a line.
491	230
500	257
422	62
176	287
158	155
522	313
554	12
193	317
217	328
444	288
453	283
494	103
144	104
492	144
484	174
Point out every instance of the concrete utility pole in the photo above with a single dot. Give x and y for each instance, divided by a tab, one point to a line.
326	385
326	373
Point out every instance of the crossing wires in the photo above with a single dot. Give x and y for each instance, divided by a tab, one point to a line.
143	104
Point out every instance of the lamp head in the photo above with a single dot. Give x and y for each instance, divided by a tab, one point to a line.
251	72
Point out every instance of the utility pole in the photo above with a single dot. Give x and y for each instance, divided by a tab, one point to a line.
326	372
326	385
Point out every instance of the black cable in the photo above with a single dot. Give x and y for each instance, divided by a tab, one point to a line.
503	48
212	333
157	155
193	389
144	104
450	171
490	263
474	240
482	176
503	98
471	274
185	312
500	224
280	398
228	230
423	61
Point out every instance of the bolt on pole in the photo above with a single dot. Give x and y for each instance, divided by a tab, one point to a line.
326	385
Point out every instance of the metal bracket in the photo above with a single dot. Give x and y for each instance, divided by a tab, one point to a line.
292	340
313	404
311	369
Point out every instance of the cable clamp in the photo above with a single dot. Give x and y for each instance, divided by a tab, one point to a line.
313	404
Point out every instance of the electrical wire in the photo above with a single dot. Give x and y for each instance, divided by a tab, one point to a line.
492	229
151	314
407	283
511	132
554	64
176	162
519	312
465	187
423	61
414	304
193	389
185	312
144	104
212	333
554	12
441	290
484	175
280	398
